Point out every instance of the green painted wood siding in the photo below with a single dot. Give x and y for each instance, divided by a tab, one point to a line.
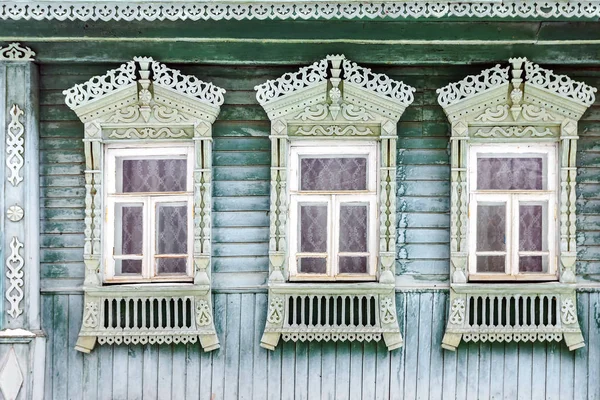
241	172
243	370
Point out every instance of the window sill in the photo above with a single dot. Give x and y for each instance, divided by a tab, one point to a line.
513	288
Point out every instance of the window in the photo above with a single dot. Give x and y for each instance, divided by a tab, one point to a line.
332	247
148	199
512	221
333	212
149	214
513	246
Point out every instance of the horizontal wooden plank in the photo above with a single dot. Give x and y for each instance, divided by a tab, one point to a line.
260	249
230	143
73	226
441	236
426	251
241	188
241	218
241	158
253	203
240	235
241	264
61	240
424	173
425	204
62	270
242	173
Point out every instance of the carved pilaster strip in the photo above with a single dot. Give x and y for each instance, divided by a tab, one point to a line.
564	196
572	196
15	146
15	274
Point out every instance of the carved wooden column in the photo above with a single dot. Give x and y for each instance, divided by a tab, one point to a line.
22	343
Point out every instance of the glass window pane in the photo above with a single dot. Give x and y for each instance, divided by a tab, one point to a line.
532	221
349	173
154	175
354	228
510	173
128	267
171	266
129	229
171	233
313	228
312	265
491	227
533	264
490	264
352	265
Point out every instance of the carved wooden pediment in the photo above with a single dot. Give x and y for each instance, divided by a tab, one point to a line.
145	92
335	92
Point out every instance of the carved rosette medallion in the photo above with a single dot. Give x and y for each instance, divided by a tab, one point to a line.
15	213
14	273
14	146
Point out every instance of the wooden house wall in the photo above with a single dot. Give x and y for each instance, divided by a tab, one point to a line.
241	369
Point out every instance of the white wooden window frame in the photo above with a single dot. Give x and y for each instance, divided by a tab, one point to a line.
334	200
512	199
149	201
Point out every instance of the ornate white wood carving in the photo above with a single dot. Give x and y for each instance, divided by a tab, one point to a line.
275	314
148	133
387	310
332	98
561	85
82	10
457	312
377	83
334	130
15	146
100	86
472	85
292	81
143	102
15	274
15	213
568	312
513	131
11	377
203	313
90	315
520	103
16	52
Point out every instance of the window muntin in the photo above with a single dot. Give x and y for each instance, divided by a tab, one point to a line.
148	205
333	211
512	223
